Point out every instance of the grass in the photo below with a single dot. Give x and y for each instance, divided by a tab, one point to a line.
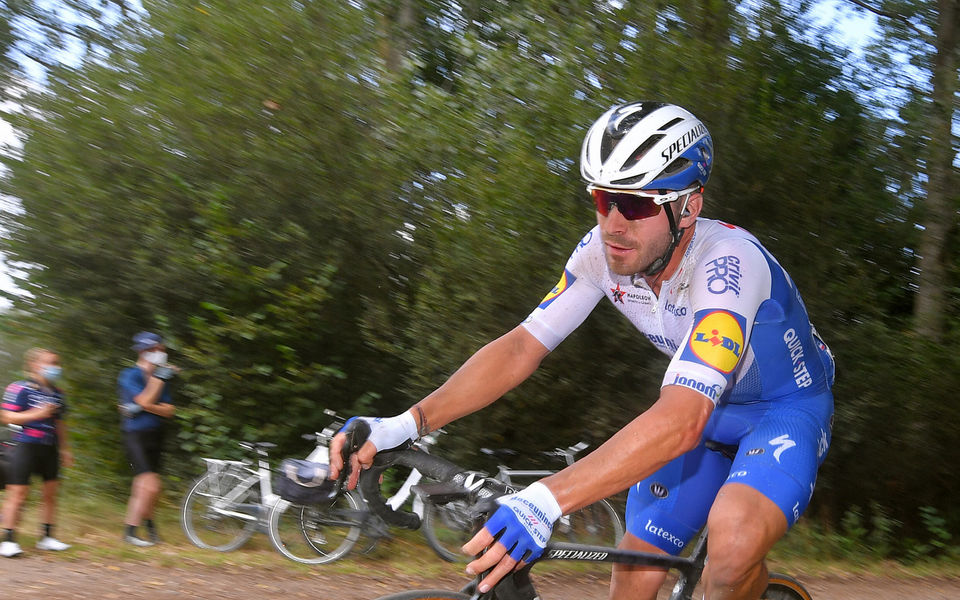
93	524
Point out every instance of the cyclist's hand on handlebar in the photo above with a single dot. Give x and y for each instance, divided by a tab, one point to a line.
385	434
515	535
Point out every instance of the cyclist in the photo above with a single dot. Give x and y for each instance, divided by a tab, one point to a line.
36	407
747	369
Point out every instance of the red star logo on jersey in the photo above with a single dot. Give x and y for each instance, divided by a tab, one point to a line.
617	294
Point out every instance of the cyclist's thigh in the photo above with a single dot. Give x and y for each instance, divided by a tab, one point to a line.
780	457
668	508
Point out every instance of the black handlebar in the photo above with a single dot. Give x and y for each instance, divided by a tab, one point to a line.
357	432
431	466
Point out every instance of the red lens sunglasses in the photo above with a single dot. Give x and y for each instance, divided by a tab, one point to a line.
633	205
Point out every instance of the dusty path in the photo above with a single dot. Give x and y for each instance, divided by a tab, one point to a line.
36	576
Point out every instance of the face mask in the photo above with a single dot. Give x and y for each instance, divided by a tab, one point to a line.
51	372
157	357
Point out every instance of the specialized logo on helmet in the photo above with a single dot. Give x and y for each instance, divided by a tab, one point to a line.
566	280
717	340
685	140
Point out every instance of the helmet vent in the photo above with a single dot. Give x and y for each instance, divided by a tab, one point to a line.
622	121
629	180
676	166
671	124
641	150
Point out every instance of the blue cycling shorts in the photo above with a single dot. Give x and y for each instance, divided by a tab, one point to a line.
781	445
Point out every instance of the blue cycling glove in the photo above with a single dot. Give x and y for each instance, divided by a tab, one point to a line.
525	521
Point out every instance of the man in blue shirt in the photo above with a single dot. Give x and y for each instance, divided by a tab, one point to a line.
146	406
35	407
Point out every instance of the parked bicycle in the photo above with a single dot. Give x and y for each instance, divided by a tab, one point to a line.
518	585
234	499
449	526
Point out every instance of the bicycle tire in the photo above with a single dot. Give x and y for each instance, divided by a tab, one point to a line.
212	527
426	595
447	527
595	525
784	587
316	535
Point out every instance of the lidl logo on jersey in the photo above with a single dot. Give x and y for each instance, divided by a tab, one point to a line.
717	340
566	280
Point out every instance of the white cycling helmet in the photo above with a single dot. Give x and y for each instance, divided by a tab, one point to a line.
647	146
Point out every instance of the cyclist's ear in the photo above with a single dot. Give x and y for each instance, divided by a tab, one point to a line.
691	210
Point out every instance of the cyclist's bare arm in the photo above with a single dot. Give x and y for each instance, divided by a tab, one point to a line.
672	426
669	428
491	372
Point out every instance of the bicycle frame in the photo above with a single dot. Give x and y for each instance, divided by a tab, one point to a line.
259	476
518	585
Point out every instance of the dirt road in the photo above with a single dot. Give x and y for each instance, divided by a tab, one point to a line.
37	576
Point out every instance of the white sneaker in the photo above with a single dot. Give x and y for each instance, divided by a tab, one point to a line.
49	543
10	549
134	540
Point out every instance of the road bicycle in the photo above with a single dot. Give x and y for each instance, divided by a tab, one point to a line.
225	506
449	526
233	500
318	534
518	585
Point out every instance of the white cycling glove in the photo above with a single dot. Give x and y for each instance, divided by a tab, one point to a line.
389	432
526	521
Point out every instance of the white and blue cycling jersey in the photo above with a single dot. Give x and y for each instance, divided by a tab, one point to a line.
738	333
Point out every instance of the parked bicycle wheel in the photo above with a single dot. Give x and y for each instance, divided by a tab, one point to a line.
426	595
317	534
597	525
784	587
446	528
221	510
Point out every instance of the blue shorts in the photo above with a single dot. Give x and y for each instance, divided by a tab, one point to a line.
781	446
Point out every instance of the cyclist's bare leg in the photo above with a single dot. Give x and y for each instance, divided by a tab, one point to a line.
632	582
743	524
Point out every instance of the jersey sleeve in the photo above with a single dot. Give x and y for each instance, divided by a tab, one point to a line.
730	282
571	301
14	398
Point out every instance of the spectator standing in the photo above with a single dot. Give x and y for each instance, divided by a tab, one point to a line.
35	407
146	405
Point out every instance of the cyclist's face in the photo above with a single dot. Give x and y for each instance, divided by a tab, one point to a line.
630	246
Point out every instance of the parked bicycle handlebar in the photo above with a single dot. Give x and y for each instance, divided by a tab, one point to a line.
432	467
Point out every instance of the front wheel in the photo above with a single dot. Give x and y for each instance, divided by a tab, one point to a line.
784	587
426	595
221	511
595	525
316	535
447	527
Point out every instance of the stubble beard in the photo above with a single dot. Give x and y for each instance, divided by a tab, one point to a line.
646	254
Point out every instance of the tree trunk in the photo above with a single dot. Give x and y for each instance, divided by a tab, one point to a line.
939	214
396	26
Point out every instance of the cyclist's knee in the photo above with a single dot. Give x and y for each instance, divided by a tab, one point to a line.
743	526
